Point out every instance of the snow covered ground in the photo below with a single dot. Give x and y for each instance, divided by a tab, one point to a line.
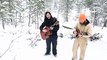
16	44
19	44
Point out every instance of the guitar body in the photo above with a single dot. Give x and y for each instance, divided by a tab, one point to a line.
45	35
48	32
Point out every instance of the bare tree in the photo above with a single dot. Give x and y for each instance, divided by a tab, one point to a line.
36	10
2	10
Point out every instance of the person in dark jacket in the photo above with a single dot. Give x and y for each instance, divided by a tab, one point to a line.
49	21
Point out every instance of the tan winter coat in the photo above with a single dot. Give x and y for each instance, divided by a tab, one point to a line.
84	28
81	41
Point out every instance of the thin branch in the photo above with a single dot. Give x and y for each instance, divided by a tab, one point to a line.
9	46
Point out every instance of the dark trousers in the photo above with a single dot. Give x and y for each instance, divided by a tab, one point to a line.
53	40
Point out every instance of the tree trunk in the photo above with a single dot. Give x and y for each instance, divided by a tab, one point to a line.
29	15
16	19
10	10
95	19
20	17
3	24
66	12
37	20
29	19
105	23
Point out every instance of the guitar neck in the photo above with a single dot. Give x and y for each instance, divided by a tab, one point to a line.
56	23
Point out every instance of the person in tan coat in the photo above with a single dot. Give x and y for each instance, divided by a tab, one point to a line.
82	32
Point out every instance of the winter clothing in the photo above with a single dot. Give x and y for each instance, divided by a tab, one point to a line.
48	23
52	38
81	40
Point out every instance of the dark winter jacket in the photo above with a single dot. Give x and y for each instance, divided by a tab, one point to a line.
49	23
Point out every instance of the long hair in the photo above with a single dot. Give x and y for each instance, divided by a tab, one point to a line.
45	18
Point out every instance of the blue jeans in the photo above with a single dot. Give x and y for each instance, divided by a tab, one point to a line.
53	40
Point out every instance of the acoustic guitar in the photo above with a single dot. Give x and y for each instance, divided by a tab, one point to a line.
46	32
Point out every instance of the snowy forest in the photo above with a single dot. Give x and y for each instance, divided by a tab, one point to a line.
20	21
14	12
